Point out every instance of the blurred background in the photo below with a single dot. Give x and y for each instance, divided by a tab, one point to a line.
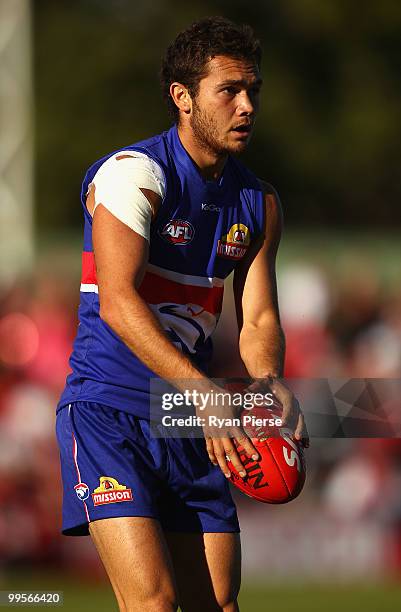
80	79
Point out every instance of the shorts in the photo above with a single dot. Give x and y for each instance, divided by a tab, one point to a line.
112	466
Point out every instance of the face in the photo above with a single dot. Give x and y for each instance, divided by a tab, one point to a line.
224	110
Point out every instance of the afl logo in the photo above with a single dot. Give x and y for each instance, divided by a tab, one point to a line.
178	232
82	491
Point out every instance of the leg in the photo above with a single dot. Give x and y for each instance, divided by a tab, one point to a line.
208	570
134	553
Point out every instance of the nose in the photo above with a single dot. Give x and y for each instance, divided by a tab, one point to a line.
245	106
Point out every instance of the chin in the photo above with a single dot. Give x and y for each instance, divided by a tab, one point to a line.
237	148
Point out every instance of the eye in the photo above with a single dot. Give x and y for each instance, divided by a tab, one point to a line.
230	91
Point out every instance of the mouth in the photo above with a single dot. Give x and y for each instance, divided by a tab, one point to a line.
245	128
242	132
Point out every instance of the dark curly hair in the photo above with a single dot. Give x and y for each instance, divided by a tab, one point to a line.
186	58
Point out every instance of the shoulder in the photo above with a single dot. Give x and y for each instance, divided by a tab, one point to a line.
271	198
127	168
273	226
132	163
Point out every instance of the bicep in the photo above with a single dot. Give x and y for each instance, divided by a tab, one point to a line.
121	256
255	287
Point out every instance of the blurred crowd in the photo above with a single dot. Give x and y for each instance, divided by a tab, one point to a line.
349	327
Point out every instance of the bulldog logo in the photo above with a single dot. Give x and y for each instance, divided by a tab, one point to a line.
82	491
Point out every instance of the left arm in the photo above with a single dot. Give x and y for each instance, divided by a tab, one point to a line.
261	339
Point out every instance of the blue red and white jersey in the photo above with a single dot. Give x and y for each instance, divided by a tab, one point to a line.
201	232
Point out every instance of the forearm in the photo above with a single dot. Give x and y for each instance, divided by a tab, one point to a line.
262	349
131	318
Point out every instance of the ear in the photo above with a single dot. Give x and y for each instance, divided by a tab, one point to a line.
181	97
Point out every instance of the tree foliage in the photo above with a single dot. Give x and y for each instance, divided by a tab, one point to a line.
328	133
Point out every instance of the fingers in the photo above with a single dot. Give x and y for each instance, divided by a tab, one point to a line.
210	451
242	440
301	431
287	400
256	386
293	417
292	414
300	427
223	449
230	452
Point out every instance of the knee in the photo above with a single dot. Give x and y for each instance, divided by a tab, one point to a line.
159	603
231	606
163	601
227	600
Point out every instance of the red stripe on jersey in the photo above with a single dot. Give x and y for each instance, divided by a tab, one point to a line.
88	276
157	290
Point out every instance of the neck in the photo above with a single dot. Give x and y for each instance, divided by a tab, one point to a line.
209	163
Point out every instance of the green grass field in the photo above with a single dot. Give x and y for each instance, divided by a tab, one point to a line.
80	596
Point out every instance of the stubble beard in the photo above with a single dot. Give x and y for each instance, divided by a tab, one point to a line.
206	133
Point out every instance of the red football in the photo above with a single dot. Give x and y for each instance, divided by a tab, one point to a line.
278	476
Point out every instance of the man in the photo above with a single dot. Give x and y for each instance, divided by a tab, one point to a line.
166	221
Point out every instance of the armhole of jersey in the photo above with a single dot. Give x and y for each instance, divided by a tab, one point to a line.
84	196
166	183
264	190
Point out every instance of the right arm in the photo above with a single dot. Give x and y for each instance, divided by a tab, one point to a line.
121	256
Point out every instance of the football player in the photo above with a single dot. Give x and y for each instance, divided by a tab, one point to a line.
167	220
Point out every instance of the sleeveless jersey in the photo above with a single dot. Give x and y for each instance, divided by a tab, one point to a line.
200	233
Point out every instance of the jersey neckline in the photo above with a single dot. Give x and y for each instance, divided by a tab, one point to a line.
185	160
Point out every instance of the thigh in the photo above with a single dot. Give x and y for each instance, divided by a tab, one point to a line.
136	558
110	467
207	568
198	498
